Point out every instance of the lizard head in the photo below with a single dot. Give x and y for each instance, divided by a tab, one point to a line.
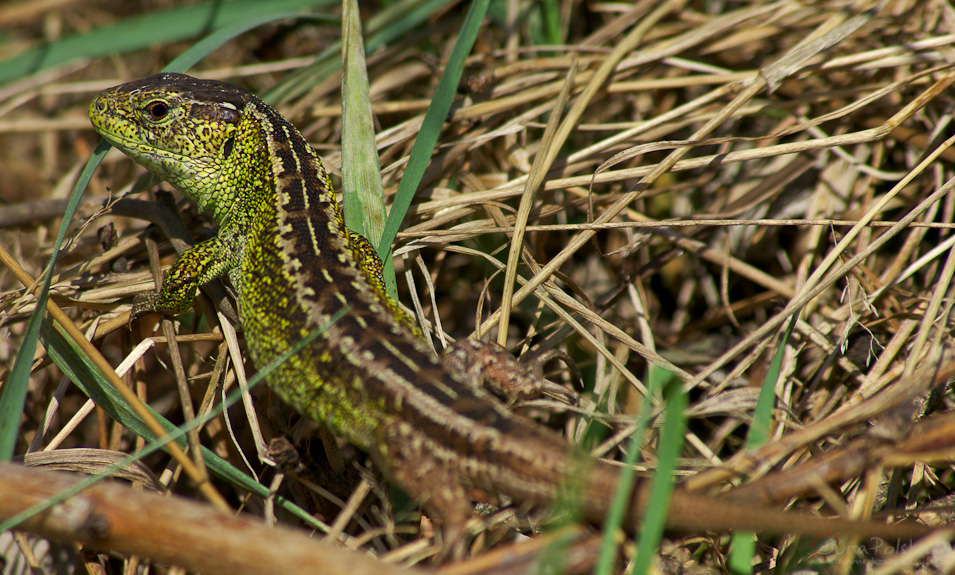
178	127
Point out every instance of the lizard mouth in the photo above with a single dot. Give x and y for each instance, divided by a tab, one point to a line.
166	164
140	150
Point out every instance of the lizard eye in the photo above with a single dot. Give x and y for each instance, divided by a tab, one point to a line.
157	110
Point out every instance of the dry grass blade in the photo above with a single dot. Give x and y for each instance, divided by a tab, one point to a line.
93	461
550	144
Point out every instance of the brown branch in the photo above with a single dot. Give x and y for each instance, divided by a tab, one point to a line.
171	530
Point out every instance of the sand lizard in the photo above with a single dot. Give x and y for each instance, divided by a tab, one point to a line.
370	376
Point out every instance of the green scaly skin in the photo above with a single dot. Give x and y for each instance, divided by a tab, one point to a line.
369	376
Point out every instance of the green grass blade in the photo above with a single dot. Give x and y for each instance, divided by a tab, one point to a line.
743	543
763	414
661	486
210	43
361	177
141	32
14	392
433	122
550	13
386	26
362	190
657	379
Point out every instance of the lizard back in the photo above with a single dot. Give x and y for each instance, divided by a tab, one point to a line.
370	371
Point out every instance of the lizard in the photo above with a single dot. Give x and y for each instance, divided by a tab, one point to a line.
369	376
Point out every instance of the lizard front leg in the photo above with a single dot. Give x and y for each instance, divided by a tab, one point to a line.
198	265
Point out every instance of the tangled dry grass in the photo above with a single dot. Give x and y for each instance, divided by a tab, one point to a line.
708	172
